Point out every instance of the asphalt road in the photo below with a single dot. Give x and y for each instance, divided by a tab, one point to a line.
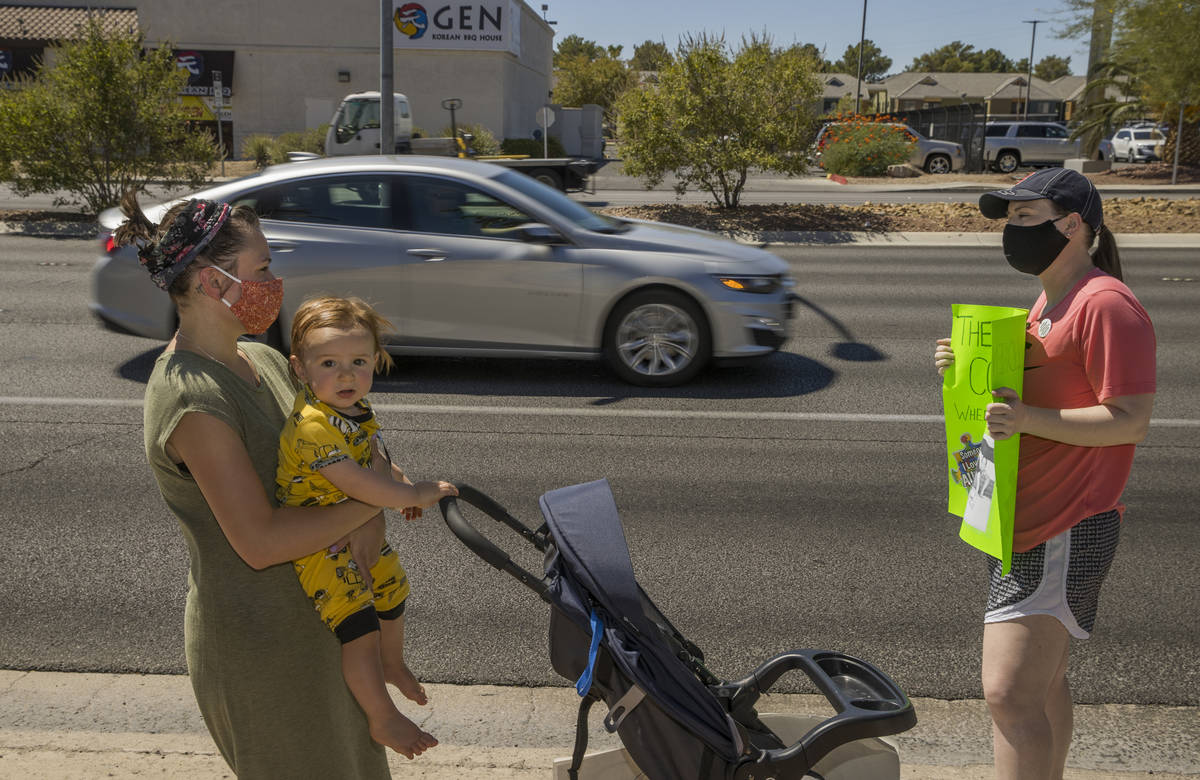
796	502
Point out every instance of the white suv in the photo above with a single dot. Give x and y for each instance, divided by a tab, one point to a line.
1137	144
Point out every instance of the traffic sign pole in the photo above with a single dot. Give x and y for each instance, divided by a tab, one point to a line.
218	101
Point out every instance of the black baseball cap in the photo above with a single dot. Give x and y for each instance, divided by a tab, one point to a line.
1069	189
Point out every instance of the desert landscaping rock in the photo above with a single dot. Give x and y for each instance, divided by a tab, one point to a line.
1123	215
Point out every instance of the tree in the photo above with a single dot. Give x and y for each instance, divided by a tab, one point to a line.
600	81
576	46
715	115
947	59
650	55
811	51
1102	114
991	61
105	119
959	57
874	65
1051	67
1157	40
1095	19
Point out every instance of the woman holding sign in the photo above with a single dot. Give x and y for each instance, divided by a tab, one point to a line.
1088	393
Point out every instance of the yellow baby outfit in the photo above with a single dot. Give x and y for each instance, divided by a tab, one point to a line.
315	436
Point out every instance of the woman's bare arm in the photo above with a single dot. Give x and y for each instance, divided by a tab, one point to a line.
1122	419
260	532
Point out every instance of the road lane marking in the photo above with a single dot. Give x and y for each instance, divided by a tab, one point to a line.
608	411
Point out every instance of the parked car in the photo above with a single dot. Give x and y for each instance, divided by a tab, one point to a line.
1009	145
469	258
1104	150
930	155
1137	144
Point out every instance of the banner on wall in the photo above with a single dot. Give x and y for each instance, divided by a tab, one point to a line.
491	25
203	109
989	352
199	65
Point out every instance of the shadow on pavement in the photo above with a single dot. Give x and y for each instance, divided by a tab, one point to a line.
781	375
849	348
138	368
778	376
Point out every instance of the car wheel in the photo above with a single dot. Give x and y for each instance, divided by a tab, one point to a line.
938	163
1007	161
548	177
657	338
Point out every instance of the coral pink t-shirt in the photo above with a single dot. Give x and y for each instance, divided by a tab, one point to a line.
1098	344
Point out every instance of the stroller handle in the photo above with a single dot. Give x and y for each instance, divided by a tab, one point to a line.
868	704
480	544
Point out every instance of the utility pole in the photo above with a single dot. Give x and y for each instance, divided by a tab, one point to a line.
1029	77
387	119
861	38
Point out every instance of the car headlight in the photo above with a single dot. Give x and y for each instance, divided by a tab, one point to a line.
751	284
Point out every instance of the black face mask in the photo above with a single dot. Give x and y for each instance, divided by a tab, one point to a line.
1032	249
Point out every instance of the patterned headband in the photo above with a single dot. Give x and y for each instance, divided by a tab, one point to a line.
185	239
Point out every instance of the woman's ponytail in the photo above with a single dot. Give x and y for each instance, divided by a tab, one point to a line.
136	228
1106	257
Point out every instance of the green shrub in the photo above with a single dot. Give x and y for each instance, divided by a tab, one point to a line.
259	148
532	147
276	149
483	143
864	148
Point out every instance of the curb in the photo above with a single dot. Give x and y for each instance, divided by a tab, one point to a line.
57	724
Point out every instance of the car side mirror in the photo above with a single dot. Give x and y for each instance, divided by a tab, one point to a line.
537	233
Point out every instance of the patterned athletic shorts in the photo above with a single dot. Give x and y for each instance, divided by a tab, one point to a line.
1059	577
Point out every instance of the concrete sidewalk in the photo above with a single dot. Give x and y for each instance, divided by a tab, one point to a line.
61	725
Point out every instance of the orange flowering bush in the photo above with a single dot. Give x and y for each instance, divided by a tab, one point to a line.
855	145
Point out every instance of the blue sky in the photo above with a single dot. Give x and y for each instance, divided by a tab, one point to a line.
903	29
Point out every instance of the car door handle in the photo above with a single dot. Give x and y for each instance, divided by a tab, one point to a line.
281	246
430	255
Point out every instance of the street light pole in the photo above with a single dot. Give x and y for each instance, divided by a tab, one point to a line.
861	38
1029	76
387	119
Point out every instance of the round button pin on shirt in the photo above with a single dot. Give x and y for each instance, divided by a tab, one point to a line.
1043	328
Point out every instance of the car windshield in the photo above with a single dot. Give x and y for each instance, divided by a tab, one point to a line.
578	214
1147	135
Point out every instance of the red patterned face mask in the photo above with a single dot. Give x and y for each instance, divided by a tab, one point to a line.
259	305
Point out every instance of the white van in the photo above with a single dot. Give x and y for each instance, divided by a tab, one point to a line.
355	125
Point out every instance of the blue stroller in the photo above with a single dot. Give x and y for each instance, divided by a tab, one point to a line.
675	718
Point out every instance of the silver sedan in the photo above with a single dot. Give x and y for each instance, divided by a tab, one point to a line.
468	258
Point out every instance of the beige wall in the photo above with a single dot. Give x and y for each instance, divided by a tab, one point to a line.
288	54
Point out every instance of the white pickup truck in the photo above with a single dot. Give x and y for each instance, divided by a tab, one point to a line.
354	128
1009	145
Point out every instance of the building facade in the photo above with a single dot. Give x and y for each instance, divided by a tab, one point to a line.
284	65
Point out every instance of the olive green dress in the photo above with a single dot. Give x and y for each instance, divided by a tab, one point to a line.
267	674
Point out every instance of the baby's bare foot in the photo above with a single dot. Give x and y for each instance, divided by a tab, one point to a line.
401	735
398	674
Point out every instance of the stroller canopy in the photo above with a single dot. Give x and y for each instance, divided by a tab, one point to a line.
594	558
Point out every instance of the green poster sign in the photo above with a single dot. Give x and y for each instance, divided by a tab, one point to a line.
989	352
